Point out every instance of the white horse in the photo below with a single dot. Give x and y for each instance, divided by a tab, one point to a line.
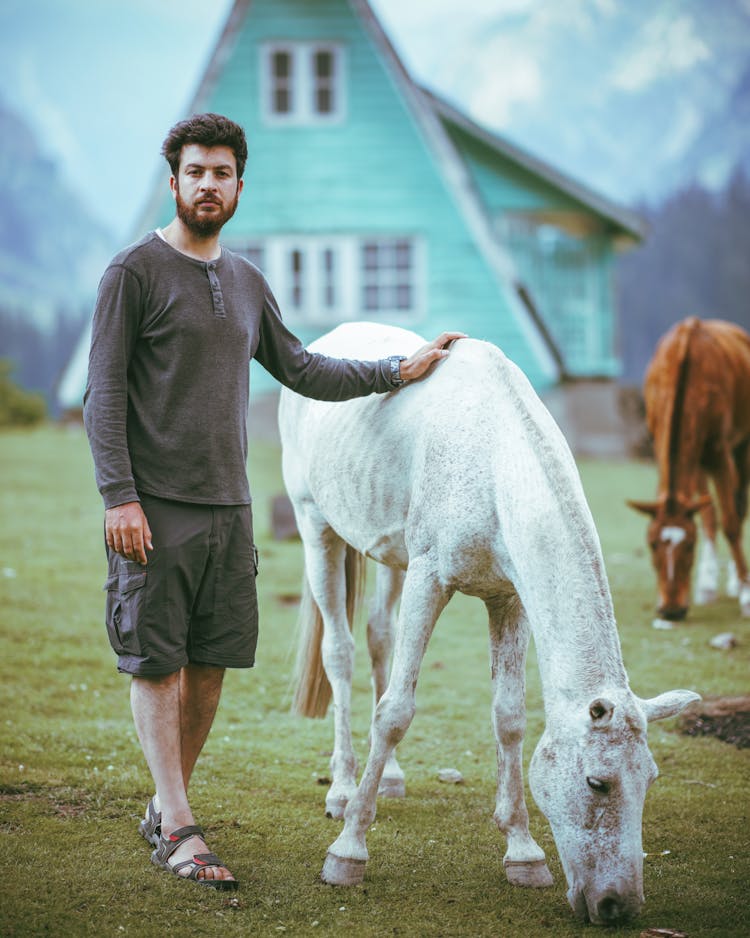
463	482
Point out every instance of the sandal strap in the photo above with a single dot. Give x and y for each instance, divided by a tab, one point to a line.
168	844
199	862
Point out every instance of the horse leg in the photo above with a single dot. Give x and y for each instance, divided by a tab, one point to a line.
380	629
741	458
707	572
325	555
423	599
524	860
728	483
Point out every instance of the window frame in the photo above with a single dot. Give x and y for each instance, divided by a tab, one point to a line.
303	84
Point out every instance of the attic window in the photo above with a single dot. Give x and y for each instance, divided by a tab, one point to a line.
302	82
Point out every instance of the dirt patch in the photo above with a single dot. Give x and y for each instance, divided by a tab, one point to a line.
65	802
727	718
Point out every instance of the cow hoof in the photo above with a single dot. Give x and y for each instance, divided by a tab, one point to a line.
704	597
392	788
342	871
534	874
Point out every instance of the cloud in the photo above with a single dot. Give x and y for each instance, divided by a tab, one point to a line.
663	48
513	78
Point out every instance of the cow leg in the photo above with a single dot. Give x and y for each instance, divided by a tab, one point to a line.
524	860
727	480
325	555
423	599
380	630
706	588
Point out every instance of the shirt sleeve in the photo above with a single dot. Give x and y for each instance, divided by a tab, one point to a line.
105	403
312	375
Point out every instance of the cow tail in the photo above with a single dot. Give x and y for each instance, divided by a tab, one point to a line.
312	690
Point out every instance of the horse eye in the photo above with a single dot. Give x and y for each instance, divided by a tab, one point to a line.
597	785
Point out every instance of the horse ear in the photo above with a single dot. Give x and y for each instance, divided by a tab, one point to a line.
668	704
699	504
600	711
646	508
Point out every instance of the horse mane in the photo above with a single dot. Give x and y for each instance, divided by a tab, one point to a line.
684	334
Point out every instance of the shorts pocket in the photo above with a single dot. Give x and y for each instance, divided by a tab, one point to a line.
256	559
125	597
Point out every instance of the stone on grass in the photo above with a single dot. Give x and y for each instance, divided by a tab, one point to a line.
452	776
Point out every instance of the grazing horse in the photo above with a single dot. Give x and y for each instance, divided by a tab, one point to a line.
697	393
463	482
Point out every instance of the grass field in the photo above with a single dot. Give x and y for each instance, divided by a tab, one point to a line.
73	782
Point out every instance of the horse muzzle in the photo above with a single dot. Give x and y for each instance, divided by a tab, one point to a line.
672	612
611	907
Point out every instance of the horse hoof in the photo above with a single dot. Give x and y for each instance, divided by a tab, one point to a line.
534	874
335	807
392	788
343	871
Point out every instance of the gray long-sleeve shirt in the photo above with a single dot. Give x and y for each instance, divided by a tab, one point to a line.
166	400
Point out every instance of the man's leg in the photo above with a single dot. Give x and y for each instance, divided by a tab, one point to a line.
173	715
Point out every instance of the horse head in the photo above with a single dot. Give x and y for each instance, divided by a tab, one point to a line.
589	776
671	537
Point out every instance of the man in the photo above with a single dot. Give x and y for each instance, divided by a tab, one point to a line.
177	320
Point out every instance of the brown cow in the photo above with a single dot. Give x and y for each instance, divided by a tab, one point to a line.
697	393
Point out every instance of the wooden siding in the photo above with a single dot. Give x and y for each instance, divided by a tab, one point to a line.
510	191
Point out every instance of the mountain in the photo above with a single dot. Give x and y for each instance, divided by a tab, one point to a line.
51	251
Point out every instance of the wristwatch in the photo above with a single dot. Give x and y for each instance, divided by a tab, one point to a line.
395	363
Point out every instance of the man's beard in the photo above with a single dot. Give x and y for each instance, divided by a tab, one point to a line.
204	227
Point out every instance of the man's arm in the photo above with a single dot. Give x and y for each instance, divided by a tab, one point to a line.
114	332
105	402
334	379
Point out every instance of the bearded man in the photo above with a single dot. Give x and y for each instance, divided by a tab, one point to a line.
178	318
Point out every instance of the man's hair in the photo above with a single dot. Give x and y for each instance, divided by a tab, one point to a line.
208	130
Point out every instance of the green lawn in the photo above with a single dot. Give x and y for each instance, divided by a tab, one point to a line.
73	782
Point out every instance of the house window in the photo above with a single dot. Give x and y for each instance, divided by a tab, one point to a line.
562	273
253	252
302	82
388	275
322	280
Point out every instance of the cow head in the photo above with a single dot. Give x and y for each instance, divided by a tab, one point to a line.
671	537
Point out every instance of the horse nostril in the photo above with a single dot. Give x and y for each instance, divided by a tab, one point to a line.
612	909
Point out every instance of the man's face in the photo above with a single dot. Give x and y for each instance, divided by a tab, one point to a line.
206	189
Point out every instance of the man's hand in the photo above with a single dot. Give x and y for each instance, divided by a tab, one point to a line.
417	364
128	532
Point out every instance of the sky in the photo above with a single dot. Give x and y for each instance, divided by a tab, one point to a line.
102	80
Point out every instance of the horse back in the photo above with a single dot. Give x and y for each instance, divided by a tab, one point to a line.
697	390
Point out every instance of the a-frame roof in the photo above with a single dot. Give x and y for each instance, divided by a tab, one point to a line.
626	221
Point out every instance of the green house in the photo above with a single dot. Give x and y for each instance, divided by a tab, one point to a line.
368	197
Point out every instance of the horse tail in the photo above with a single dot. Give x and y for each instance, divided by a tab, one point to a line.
313	690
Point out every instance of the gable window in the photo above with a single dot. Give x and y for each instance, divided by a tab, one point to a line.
302	82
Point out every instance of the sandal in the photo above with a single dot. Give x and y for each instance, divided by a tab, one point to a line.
167	846
150	826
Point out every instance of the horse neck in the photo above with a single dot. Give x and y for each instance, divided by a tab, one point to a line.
559	574
572	620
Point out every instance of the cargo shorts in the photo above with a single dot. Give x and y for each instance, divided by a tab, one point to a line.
195	601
